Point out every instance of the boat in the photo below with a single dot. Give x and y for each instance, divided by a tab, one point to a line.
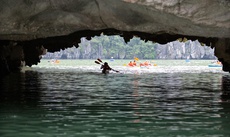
141	67
111	59
187	60
54	61
215	64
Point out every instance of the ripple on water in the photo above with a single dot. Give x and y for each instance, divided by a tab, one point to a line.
56	102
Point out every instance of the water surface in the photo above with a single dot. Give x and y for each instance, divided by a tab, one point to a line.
71	99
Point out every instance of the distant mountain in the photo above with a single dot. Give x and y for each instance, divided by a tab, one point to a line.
114	46
183	50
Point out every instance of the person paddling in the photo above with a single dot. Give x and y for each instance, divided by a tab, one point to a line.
130	64
134	63
105	68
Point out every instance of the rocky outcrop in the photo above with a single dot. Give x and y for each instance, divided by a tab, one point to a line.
183	50
222	51
171	50
56	25
15	56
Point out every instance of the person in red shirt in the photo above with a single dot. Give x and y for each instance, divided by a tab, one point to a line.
134	63
130	64
146	63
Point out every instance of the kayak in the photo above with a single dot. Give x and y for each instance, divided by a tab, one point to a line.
140	67
54	61
106	72
214	65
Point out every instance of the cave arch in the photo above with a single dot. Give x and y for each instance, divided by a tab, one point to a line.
33	26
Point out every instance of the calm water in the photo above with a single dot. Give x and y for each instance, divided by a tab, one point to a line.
73	99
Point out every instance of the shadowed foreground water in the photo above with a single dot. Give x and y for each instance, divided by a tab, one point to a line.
47	103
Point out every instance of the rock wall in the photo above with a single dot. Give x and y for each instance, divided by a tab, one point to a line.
29	19
222	51
14	56
181	50
172	50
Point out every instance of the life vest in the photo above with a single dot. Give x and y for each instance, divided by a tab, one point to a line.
130	64
134	63
146	63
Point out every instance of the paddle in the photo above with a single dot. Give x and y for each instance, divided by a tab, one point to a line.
99	60
101	63
98	63
136	59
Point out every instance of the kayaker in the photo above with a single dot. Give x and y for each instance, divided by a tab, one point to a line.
105	68
218	62
146	63
142	64
134	63
130	64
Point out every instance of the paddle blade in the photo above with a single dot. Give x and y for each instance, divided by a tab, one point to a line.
99	60
115	70
136	59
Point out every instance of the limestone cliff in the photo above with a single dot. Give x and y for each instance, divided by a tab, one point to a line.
56	25
171	50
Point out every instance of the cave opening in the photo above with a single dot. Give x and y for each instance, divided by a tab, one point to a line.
120	52
107	47
127	46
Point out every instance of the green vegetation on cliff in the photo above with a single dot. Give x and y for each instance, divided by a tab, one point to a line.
114	46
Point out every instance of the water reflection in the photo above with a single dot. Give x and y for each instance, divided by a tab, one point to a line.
225	88
68	103
21	89
225	99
